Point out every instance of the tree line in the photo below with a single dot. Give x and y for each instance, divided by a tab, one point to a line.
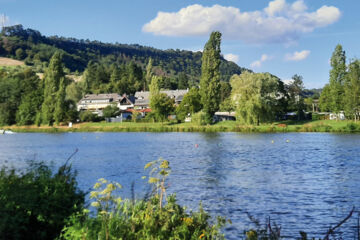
256	97
36	50
342	93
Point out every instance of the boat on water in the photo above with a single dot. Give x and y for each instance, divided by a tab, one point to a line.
2	131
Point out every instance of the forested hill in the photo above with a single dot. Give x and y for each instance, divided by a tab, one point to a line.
35	49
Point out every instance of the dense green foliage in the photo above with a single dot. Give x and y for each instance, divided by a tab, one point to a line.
332	97
210	76
296	99
35	204
352	91
88	116
258	97
342	91
161	105
35	49
21	96
151	218
52	109
337	79
189	105
111	111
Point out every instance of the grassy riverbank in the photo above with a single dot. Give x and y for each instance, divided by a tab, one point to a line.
226	126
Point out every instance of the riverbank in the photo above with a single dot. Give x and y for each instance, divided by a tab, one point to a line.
226	126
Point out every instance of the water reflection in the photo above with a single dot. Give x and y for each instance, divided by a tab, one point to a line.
303	181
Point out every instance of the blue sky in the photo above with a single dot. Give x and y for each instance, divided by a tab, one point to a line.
283	37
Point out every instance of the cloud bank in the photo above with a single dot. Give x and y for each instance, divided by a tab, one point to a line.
297	56
279	22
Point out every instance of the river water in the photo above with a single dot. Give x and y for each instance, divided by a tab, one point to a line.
302	181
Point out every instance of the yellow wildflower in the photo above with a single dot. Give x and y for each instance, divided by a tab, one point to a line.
94	194
97	185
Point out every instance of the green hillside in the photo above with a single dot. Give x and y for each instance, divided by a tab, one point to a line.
35	49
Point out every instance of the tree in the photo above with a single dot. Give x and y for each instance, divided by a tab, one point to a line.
10	94
74	92
295	92
89	77
337	79
325	99
53	75
20	54
161	105
110	111
225	90
210	76
60	107
227	105
29	107
190	104
183	81
154	86
115	81
36	203
149	75
256	96
352	91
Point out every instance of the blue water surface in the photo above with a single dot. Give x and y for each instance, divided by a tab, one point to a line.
302	181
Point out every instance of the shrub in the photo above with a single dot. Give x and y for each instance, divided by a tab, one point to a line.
35	204
111	111
351	127
141	219
87	116
199	118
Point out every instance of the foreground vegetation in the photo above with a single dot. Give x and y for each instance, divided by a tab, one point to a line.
38	204
225	126
35	203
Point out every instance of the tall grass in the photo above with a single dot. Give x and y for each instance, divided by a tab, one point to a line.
225	126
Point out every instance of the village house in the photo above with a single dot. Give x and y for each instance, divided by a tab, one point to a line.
127	104
97	102
142	98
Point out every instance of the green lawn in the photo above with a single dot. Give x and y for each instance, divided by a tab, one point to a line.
225	126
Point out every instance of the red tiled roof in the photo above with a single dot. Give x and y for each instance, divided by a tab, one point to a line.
146	110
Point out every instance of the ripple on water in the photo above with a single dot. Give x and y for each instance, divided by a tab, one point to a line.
306	183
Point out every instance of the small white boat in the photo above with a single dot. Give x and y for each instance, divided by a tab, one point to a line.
2	131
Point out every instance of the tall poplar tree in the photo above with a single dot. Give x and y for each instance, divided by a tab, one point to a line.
149	74
337	79
53	75
210	76
60	106
352	91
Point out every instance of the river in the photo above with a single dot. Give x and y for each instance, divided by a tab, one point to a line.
302	181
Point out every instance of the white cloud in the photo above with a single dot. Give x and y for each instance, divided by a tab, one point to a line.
258	63
232	57
297	56
276	6
279	22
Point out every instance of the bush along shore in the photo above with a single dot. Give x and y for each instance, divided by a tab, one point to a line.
39	204
225	126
